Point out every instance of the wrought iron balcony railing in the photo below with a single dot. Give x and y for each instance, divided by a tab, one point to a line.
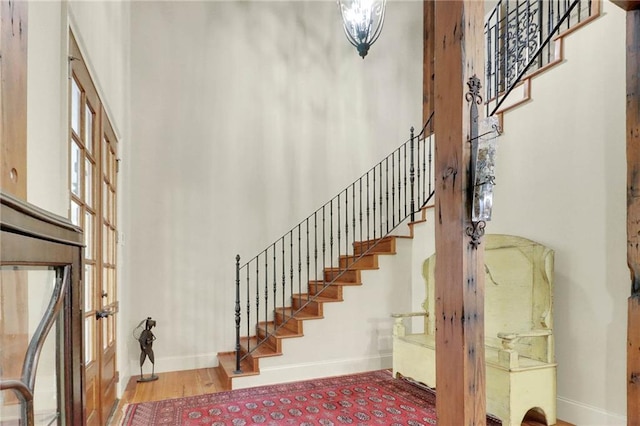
518	35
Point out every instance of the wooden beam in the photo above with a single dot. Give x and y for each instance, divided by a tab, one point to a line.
460	369
627	4
13	98
633	215
428	57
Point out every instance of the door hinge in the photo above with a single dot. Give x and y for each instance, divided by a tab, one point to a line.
118	160
71	59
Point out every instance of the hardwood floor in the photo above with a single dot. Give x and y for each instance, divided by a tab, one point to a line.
188	383
175	384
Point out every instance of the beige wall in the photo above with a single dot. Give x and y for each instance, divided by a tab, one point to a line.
248	118
561	181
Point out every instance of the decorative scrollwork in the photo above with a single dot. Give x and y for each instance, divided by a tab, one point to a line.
473	95
522	39
476	231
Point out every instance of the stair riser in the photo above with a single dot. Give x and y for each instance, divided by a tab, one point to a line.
312	307
332	291
292	324
350	276
272	340
387	245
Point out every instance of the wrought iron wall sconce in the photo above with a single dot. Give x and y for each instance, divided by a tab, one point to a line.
484	134
362	21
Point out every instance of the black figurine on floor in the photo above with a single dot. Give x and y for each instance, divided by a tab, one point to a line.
146	339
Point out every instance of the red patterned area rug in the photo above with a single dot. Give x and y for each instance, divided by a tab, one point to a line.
373	398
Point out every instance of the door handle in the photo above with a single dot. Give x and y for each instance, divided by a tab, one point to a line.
104	313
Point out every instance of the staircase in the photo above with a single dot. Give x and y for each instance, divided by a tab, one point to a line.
289	321
289	282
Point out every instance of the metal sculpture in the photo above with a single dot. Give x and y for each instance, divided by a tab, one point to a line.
146	338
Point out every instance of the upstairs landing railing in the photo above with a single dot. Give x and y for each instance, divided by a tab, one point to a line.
319	250
518	35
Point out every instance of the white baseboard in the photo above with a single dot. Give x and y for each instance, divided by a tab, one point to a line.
305	371
582	414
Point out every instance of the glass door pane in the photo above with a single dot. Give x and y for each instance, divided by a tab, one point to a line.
28	296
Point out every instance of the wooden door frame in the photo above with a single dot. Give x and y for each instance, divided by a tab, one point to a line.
98	387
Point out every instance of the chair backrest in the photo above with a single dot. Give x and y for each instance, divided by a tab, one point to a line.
518	291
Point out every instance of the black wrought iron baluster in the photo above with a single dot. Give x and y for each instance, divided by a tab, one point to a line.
540	3
412	177
368	225
284	282
386	178
266	286
338	226
528	29
418	175
257	296
393	188
430	162
324	246
315	246
496	60
549	27
246	267
516	42
360	213
275	286
290	270
380	197
405	181
346	228
308	258
375	201
400	201
507	43
237	370
299	261
331	234
353	218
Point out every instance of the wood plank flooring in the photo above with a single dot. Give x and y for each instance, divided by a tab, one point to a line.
174	384
179	384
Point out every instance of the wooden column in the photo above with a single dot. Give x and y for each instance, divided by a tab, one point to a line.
428	59
460	370
13	97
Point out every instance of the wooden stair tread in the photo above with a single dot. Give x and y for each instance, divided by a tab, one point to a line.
340	283
319	299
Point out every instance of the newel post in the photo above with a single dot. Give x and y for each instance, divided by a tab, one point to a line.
238	370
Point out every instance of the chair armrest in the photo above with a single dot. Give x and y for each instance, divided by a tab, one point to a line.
410	314
509	340
398	326
530	333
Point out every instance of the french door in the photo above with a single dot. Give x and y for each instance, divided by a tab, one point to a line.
93	195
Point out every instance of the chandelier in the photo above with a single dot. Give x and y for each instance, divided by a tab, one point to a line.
362	20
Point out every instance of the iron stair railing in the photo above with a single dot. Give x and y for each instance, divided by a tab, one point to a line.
518	35
369	209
